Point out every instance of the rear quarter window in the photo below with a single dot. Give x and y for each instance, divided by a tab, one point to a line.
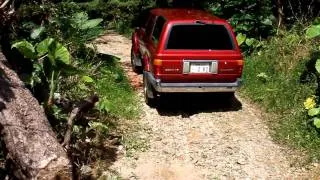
150	25
200	37
157	30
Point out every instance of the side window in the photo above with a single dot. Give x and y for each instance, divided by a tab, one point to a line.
149	25
157	30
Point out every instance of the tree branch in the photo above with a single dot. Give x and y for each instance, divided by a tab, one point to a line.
4	4
82	107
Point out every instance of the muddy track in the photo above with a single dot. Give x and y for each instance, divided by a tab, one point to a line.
199	136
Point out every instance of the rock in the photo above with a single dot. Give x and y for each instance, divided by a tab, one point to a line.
86	170
242	162
315	164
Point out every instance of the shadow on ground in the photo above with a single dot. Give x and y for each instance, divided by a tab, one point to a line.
189	104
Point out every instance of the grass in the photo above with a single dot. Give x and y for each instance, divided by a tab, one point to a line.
279	79
114	86
115	115
117	98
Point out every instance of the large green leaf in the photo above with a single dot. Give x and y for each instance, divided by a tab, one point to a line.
36	32
58	53
314	112
91	23
43	46
62	54
316	122
313	31
25	48
267	22
317	66
87	79
241	38
104	105
251	41
78	19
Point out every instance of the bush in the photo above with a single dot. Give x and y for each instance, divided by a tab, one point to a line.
119	15
279	79
53	39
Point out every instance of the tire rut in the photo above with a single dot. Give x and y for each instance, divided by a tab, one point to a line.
199	136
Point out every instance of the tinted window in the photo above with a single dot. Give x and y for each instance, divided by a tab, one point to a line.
198	36
158	29
149	25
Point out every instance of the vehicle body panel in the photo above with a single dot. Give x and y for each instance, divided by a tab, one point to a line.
173	67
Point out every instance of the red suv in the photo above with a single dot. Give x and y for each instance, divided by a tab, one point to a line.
184	50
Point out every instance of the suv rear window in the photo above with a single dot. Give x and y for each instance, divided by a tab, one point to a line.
199	36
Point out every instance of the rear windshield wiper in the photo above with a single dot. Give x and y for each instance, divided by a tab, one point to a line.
201	22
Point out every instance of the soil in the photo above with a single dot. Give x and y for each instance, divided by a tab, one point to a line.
200	136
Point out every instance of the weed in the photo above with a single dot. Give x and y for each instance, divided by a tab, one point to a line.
277	78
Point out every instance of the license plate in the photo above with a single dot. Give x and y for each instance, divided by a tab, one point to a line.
199	67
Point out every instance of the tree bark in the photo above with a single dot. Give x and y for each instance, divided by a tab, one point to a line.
31	145
280	14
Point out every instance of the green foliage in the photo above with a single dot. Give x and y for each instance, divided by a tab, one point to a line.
42	47
56	34
104	105
277	77
99	127
90	24
87	79
263	77
248	44
253	18
75	29
107	79
313	31
37	32
120	15
48	61
241	38
310	104
81	21
316	122
26	49
314	111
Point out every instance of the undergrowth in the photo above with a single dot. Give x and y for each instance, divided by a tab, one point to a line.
113	122
280	77
117	97
98	131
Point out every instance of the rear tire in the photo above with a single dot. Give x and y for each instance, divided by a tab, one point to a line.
148	91
136	69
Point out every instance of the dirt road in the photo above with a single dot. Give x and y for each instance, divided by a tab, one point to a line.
199	137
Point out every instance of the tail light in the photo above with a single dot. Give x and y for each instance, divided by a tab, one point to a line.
240	65
157	64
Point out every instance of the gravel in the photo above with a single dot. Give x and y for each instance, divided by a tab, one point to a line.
199	136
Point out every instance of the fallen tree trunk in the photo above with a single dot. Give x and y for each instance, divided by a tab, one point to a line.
30	143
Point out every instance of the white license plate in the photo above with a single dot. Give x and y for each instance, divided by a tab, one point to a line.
199	67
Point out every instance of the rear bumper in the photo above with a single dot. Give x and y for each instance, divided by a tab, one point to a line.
192	87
